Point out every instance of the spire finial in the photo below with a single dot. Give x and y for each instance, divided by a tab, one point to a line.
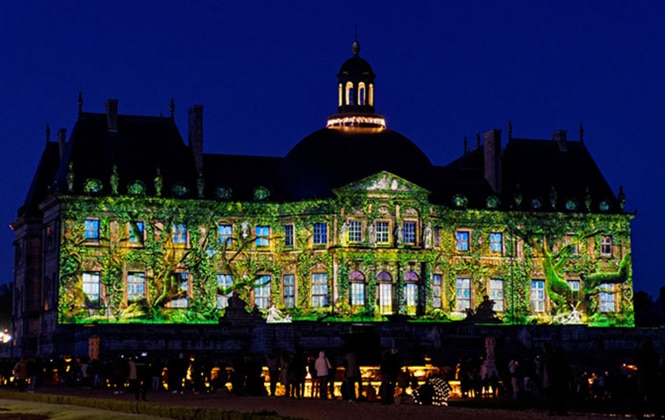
581	133
80	102
356	45
48	132
172	107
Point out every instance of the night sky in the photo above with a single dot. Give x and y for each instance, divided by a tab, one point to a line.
265	72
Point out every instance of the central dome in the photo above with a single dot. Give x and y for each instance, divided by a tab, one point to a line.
354	145
333	157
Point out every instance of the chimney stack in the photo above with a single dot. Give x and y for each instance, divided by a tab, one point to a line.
62	137
112	115
196	135
492	155
560	136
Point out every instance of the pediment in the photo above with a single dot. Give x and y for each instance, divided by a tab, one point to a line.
382	182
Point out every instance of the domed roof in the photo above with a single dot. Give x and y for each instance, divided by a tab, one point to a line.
333	157
356	66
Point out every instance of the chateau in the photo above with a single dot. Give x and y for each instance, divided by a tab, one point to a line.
126	223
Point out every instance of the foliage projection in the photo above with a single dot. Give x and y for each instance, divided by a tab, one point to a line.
160	260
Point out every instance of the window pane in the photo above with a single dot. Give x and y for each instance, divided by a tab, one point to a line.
136	232
224	234
462	294
262	292
386	298
289	291
288	235
91	230
355	231
320	233
135	286
179	234
262	236
496	242
538	295
224	290
462	240
436	291
91	289
382	232
496	294
319	290
607	300
181	300
357	294
410	232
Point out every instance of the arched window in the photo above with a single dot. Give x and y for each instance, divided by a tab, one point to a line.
356	288
361	93
370	102
411	281
349	93
385	286
340	94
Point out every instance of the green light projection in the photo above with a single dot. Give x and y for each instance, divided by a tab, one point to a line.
181	279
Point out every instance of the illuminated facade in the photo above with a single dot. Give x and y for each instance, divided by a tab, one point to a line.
125	223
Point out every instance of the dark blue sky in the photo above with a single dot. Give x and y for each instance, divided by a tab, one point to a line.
265	72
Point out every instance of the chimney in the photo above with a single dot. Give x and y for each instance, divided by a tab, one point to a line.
493	159
559	136
62	135
196	135
112	115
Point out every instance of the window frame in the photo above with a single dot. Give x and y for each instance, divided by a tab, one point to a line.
460	241
463	297
225	234
183	302
496	246
131	294
225	280
607	302
606	245
409	232
179	234
319	233
319	290
262	236
97	284
537	296
379	232
355	231
261	292
497	294
91	230
437	289
136	232
289	291
289	235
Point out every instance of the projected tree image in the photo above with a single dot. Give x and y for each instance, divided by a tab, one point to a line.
374	252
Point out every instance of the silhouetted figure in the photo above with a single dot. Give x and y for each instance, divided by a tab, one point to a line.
273	365
389	369
555	374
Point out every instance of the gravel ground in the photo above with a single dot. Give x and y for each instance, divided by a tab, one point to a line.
335	410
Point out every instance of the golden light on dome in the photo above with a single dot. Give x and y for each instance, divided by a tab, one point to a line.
356	121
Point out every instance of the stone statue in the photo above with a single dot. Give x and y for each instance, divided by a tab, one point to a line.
275	316
372	236
427	236
245	229
114	180
343	232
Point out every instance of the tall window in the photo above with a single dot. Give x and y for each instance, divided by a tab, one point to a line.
437	236
496	242
262	292
436	291
574	285
224	234
538	295
91	230
135	286
288	236
320	233
385	283
349	93
462	294
91	289
382	232
136	232
224	292
361	93
262	236
357	288
181	301
289	290
606	246
179	233
607	298
319	290
409	232
462	240
496	294
355	231
411	292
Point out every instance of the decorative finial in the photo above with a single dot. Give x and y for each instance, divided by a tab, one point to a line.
80	102
172	107
622	197
581	133
466	146
48	132
510	129
356	47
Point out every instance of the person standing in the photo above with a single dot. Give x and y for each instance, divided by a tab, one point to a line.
390	368
322	366
351	375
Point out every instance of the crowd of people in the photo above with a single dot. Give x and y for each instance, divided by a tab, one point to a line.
546	377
